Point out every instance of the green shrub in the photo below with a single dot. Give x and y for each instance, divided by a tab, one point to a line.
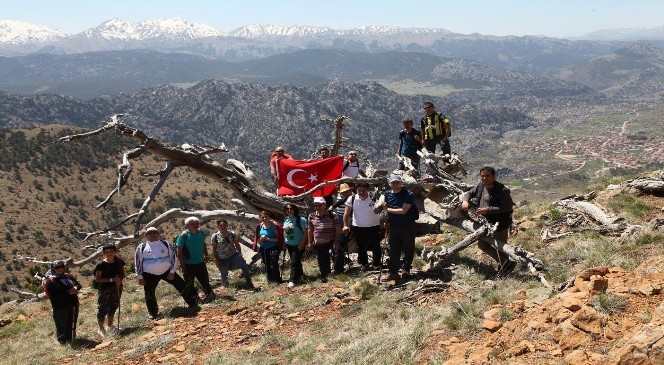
609	303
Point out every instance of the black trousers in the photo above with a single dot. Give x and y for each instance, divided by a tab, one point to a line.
199	272
486	246
431	144
150	283
65	319
296	271
415	160
367	238
340	249
401	239
270	257
323	257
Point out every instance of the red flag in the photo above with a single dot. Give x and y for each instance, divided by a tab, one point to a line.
296	177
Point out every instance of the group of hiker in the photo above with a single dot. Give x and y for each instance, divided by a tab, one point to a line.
353	212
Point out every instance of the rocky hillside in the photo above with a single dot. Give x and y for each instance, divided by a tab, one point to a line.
242	115
96	73
636	71
608	312
63	183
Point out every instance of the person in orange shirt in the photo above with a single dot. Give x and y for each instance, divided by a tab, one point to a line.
278	154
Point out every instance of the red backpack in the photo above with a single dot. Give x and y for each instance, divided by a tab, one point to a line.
281	242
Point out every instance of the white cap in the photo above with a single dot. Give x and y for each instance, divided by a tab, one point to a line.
190	220
319	200
394	178
151	229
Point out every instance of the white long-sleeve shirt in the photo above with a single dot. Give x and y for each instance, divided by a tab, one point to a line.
154	257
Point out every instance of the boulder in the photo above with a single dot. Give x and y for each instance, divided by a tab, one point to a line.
519	349
492	314
491	326
570	337
572	301
588	320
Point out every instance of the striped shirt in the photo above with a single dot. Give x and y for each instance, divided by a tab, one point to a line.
324	227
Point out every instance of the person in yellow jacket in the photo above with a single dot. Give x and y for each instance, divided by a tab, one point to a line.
435	129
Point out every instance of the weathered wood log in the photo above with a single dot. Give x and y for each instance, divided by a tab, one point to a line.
653	185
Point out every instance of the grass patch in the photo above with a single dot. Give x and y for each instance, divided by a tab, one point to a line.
465	317
555	214
609	303
629	204
364	289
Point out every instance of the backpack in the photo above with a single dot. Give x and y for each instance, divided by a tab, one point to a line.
185	251
281	241
414	211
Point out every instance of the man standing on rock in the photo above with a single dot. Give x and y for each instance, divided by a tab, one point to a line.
193	255
154	261
363	223
492	200
410	141
435	129
401	216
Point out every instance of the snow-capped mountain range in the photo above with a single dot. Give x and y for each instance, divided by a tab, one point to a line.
17	32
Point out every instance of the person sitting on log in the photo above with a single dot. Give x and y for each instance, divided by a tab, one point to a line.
228	254
492	200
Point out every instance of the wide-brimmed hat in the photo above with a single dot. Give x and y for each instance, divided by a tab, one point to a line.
344	188
394	178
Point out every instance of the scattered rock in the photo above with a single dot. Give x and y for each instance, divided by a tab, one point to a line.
492	314
521	348
588	320
179	348
598	284
491	326
572	301
570	337
5	322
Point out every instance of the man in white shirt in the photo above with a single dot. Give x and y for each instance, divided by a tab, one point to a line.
154	261
364	224
351	165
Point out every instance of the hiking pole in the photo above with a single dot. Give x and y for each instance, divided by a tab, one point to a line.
119	287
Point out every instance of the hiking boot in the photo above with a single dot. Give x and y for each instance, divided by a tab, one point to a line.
291	285
323	279
393	277
155	317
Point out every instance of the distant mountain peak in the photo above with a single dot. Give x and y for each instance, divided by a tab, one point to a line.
253	31
172	28
19	32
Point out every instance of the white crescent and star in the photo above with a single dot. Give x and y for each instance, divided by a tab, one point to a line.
291	174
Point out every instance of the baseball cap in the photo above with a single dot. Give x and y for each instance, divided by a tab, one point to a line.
394	178
319	200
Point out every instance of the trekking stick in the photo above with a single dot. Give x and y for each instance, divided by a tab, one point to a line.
119	306
74	319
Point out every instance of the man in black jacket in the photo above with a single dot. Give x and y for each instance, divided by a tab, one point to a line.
492	200
62	290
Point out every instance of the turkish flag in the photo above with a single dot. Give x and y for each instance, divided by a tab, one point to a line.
296	177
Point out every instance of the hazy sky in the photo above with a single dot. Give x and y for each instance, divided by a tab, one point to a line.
500	17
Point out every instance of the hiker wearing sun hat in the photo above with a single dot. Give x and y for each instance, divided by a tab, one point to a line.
154	261
62	290
322	234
